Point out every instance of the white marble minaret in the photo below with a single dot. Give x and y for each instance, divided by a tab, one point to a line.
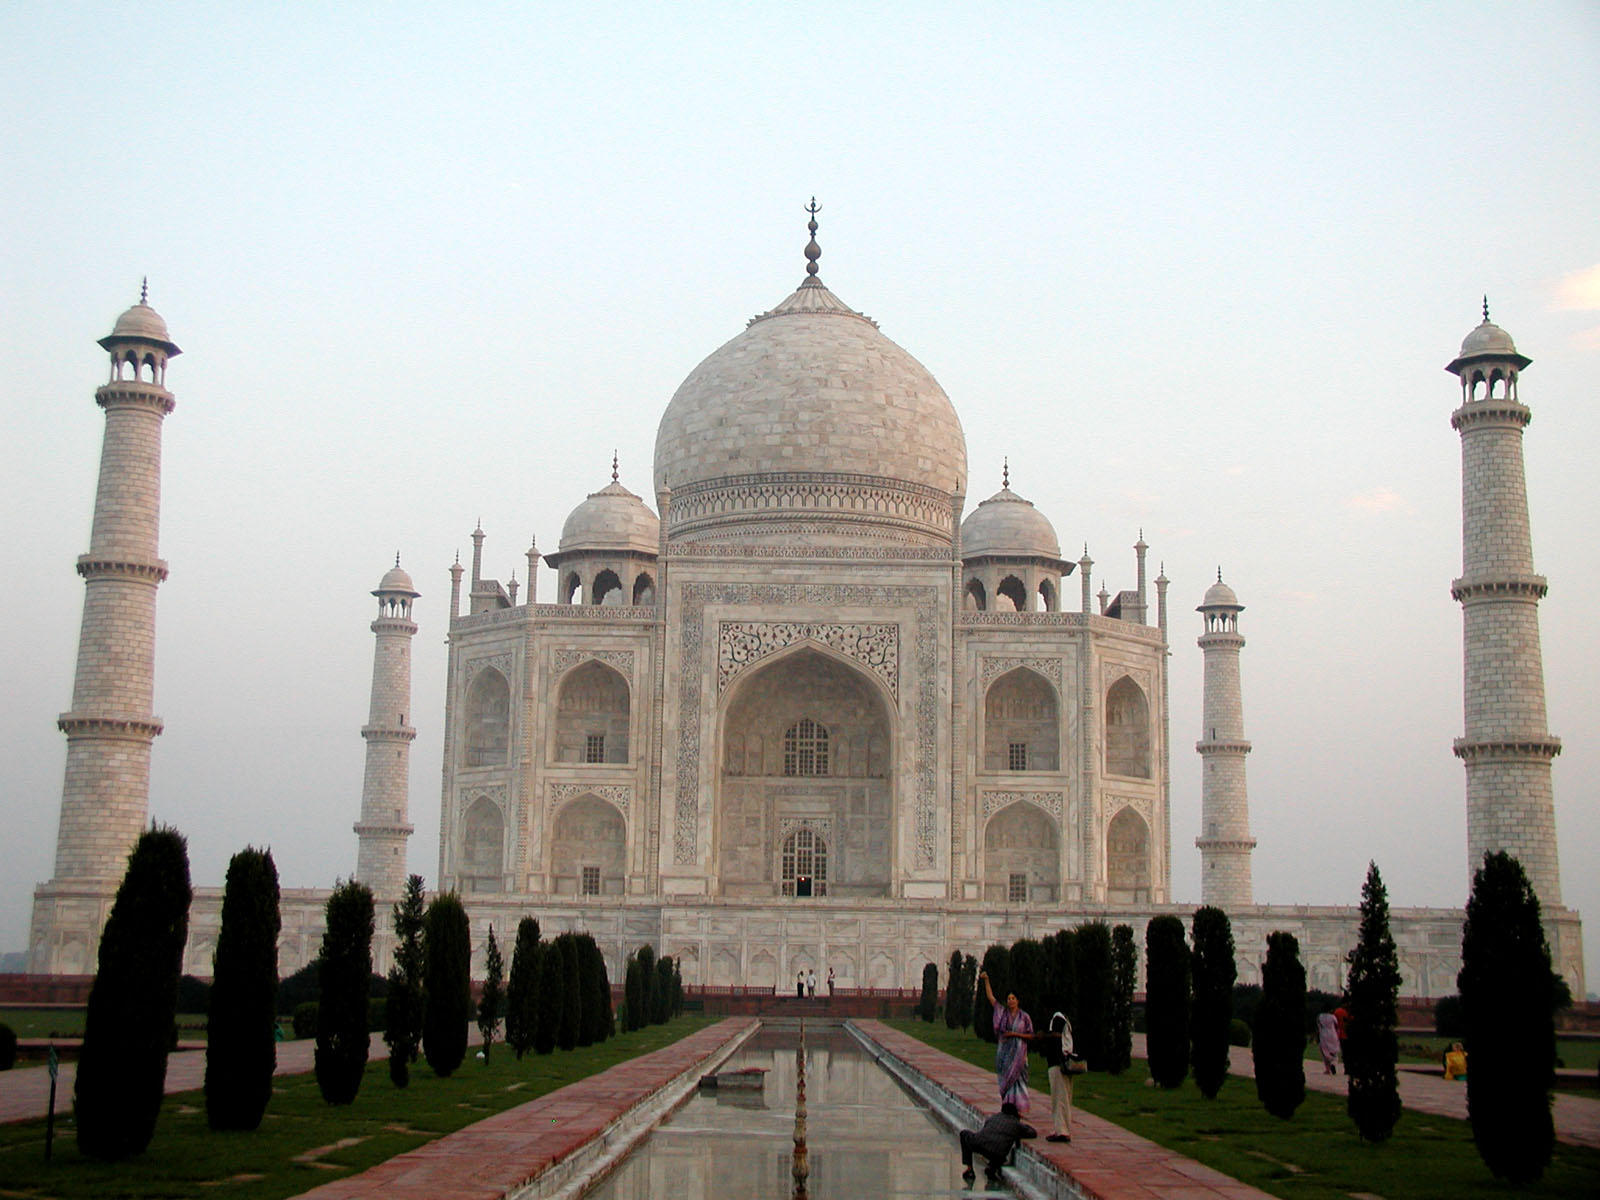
1507	748
383	828
105	796
1225	842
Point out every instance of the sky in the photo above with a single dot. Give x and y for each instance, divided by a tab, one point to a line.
1194	269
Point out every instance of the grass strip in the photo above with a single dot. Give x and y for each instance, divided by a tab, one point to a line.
1315	1156
304	1142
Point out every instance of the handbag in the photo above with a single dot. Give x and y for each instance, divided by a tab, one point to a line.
1074	1065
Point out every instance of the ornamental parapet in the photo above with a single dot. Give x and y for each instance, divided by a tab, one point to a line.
130	394
739	505
127	728
1223	746
973	620
1505	587
1488	414
394	625
95	566
1470	750
1225	843
366	829
1220	641
388	733
611	615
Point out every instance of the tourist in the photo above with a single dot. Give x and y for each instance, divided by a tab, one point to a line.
800	985
1341	1016
1455	1061
1056	1049
1328	1042
995	1141
811	984
830	983
1012	1028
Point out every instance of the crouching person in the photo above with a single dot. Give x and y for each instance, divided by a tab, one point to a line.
995	1141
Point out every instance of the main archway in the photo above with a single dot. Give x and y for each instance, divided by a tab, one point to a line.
805	744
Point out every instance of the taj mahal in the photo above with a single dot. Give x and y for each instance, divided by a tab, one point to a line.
802	706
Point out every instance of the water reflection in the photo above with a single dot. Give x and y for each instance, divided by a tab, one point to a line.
866	1136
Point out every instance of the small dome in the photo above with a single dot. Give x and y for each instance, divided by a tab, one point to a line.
144	324
1005	524
396	580
1220	595
1488	338
611	519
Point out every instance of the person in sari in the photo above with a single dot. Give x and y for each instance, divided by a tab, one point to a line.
1328	1042
1012	1029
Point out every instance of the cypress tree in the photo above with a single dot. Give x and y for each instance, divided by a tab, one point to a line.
929	1001
1091	1026
572	1006
588	1013
1278	1040
661	1009
677	987
953	1006
403	1006
602	991
997	966
1027	979
1508	999
551	999
241	1049
522	997
492	996
128	1028
344	971
1166	1000
1124	977
1211	1009
647	985
447	949
1372	1047
632	994
1061	974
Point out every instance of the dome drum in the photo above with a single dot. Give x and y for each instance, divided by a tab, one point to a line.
811	507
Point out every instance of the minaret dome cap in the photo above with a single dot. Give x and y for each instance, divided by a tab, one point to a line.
141	323
1220	595
1487	341
395	580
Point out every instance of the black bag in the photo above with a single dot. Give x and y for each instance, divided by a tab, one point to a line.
1074	1065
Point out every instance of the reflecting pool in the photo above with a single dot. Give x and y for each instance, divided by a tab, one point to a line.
866	1136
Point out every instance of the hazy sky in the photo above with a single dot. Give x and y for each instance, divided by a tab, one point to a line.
1195	271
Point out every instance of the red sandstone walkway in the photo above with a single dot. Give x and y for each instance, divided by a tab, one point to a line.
507	1151
1105	1161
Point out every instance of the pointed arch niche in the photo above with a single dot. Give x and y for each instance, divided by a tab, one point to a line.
1127	859
1021	856
592	713
772	777
588	848
483	839
1127	730
1021	723
488	719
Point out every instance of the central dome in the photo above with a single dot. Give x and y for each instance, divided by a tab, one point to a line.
811	426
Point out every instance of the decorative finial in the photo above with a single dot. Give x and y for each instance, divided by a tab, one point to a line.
613	466
1486	308
458	556
397	558
144	291
813	251
1219	574
1005	474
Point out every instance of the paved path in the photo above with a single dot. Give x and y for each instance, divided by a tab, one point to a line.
501	1153
25	1091
1103	1161
1577	1118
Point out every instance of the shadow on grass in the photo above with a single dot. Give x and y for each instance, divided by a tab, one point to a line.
1314	1156
304	1142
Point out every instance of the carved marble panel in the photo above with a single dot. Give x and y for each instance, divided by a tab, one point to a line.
1051	802
622	660
1050	668
557	794
740	644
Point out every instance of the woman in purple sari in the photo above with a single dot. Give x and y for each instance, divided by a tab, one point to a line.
1012	1028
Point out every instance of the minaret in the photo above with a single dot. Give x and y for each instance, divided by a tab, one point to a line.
105	798
382	831
1507	748
1225	842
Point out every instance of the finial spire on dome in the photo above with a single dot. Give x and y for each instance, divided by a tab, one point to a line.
1485	308
613	466
1219	574
1005	474
397	558
813	251
144	290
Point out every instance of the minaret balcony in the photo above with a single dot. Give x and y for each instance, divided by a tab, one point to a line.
95	566
1222	746
1471	750
1504	587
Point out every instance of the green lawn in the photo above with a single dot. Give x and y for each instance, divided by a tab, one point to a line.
1315	1156
293	1149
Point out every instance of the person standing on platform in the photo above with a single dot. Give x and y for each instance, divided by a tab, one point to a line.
1055	1047
1012	1028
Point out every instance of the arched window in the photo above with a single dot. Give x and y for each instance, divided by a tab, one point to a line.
482	846
1127	858
804	868
976	600
607	589
805	748
592	711
644	590
571	587
1021	728
1127	730
1011	589
488	719
1047	596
